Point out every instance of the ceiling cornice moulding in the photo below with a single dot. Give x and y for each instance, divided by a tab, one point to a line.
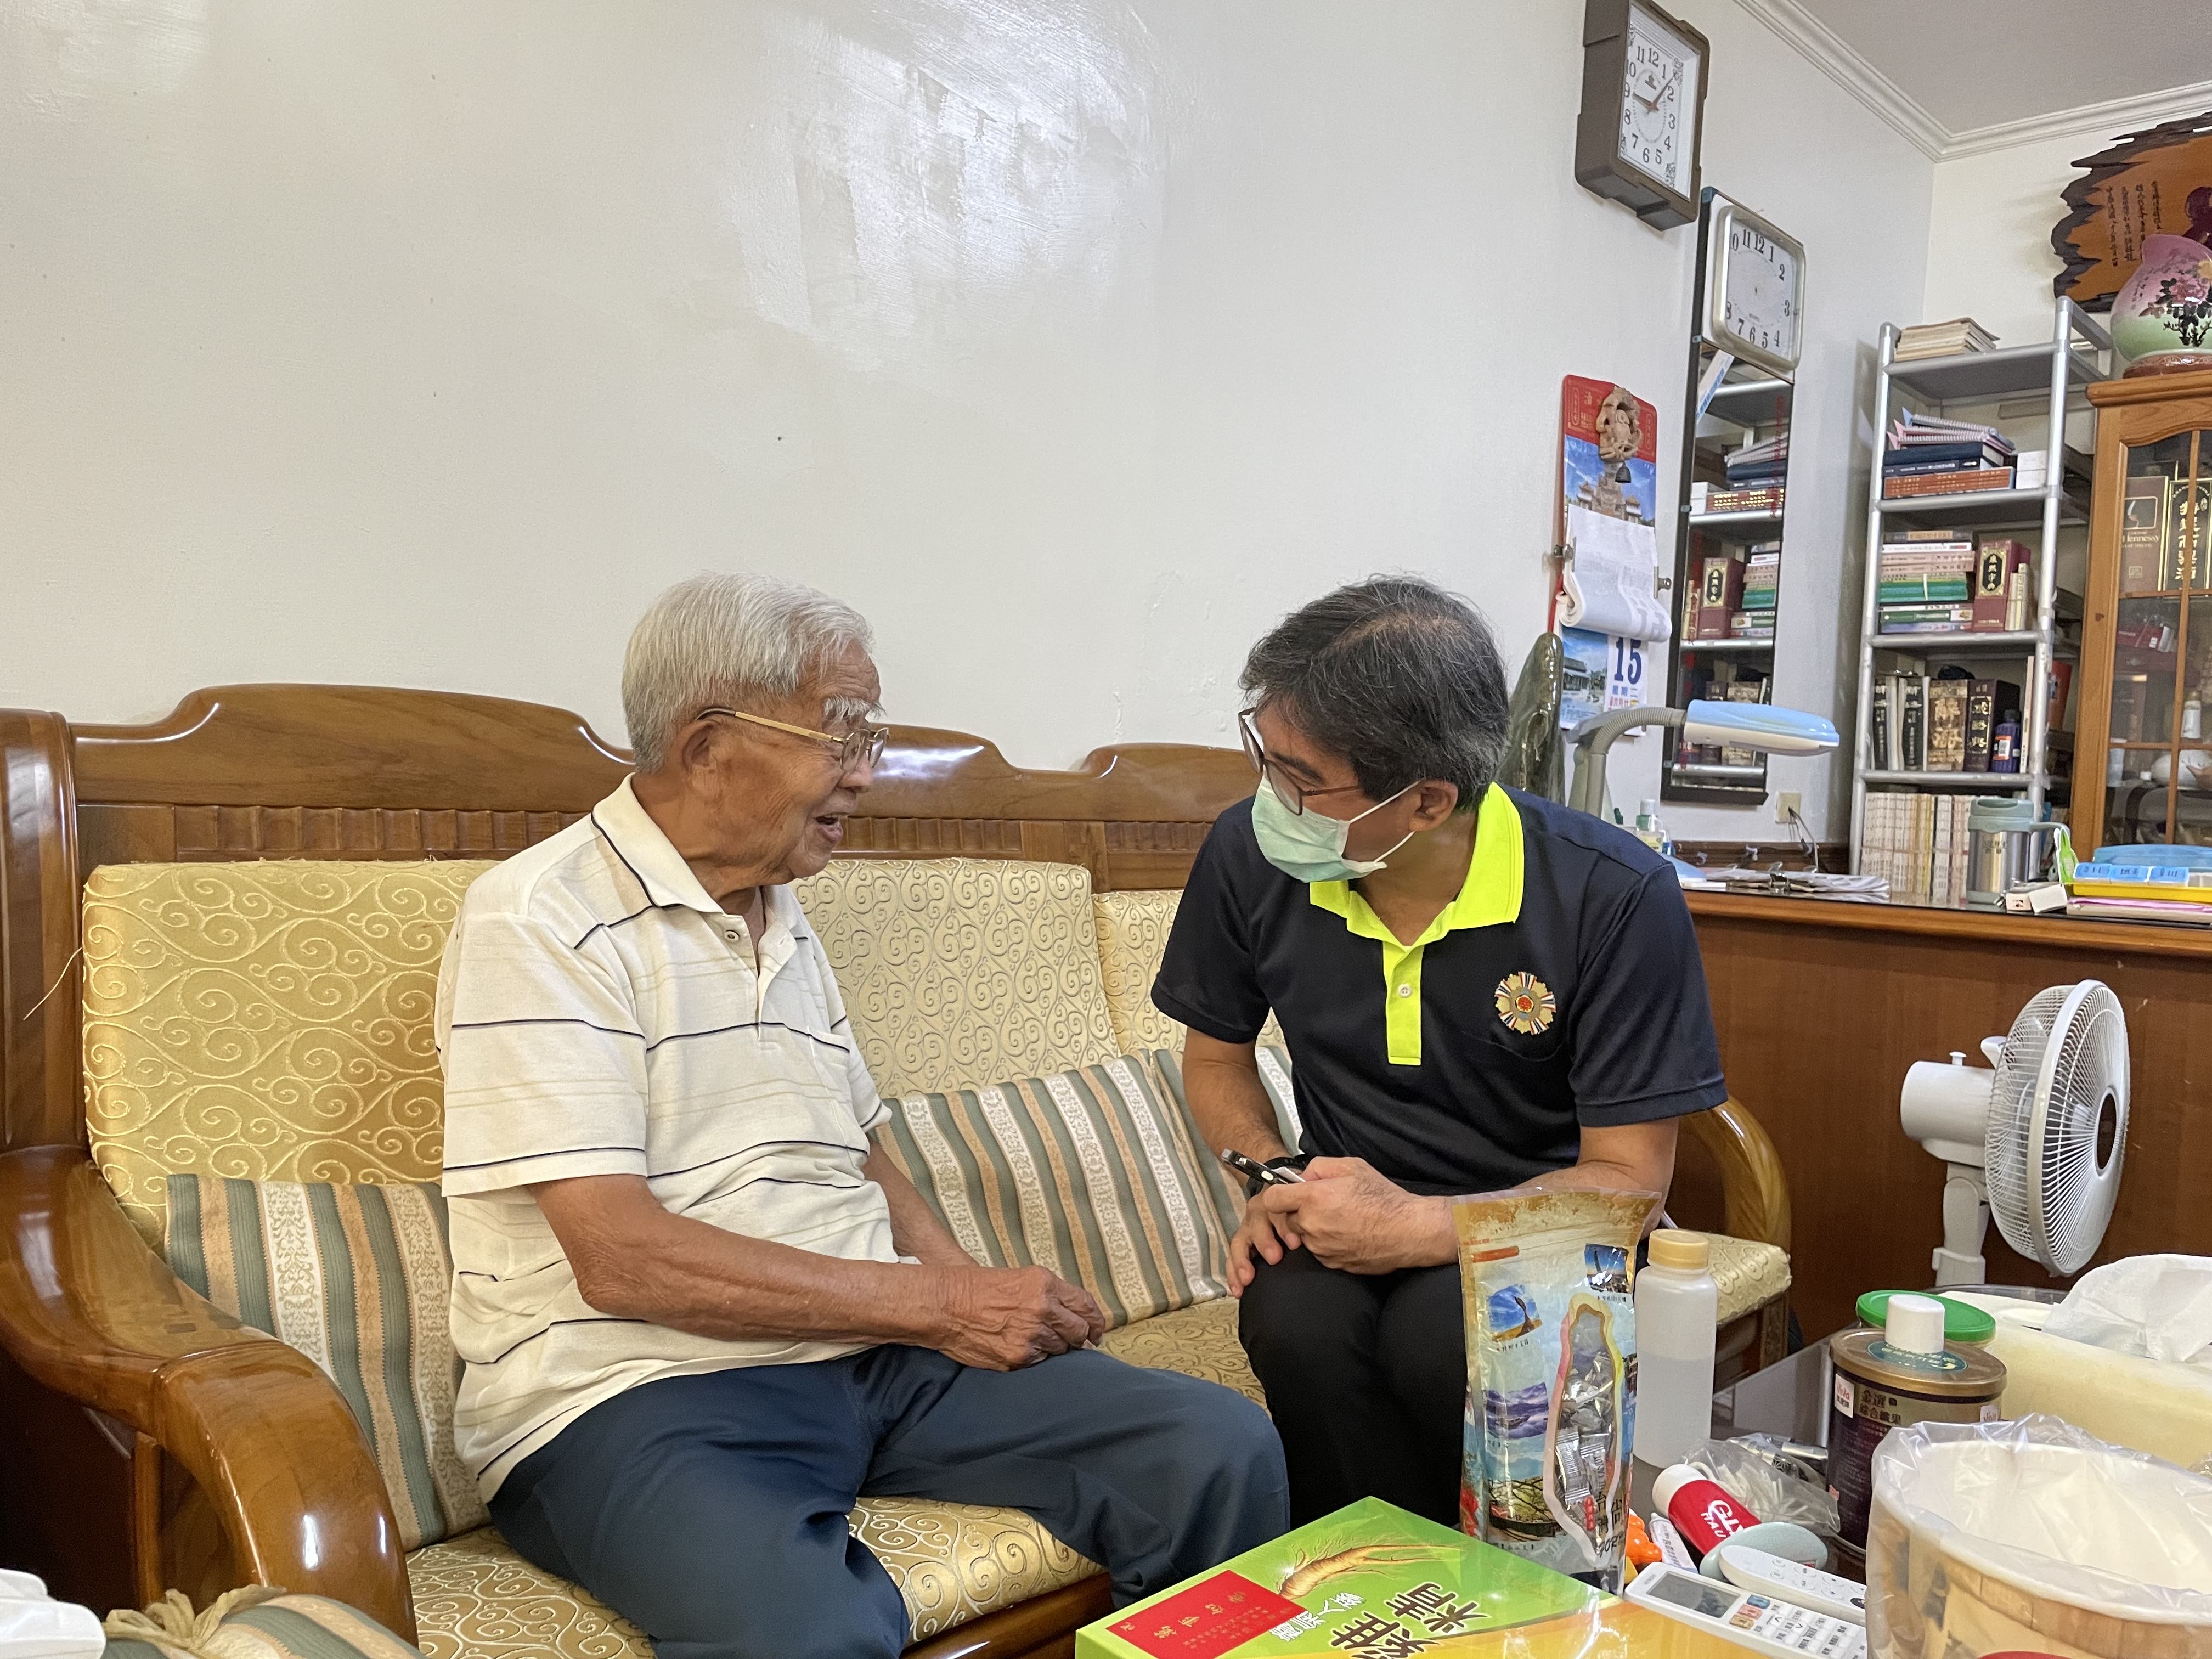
1827	52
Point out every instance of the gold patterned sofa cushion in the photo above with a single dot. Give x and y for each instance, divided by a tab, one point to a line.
1749	1274
959	968
1133	937
267	1021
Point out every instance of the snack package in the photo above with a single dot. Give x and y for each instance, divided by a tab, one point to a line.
1551	1371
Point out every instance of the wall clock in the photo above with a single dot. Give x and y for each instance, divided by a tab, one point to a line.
1755	289
1644	110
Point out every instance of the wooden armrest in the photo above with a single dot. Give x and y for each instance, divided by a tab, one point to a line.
89	1311
1754	1191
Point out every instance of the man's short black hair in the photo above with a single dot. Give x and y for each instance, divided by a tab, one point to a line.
1397	676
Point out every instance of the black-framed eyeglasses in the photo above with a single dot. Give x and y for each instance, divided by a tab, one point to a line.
861	743
1291	795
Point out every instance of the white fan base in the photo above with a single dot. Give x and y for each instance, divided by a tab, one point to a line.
1965	1223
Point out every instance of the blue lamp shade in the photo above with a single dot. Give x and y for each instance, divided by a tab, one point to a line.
1756	725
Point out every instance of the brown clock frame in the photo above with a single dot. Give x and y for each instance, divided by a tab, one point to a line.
1598	166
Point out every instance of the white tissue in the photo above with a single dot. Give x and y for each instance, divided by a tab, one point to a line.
2157	1306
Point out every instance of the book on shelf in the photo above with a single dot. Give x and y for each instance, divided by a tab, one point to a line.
1974	452
1947	725
1970	481
1765	498
1745	688
2062	684
2000	586
1986	703
1901	538
1878	739
1929	618
1912	723
1720	595
1922	590
1917	843
2143	503
2033	470
1751	625
1960	334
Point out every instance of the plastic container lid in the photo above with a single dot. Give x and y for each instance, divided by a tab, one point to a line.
1672	1247
1962	1323
1913	1322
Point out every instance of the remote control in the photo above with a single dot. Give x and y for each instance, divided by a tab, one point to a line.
1789	1580
1750	1619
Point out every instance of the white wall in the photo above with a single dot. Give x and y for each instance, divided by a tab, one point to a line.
415	342
1989	249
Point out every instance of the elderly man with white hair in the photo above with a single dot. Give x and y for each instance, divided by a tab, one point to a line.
700	1313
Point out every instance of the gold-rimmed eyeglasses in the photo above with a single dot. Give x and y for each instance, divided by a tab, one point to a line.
1291	793
862	743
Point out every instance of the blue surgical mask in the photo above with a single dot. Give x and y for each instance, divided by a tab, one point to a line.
1308	846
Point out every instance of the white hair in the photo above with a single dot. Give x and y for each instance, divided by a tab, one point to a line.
726	638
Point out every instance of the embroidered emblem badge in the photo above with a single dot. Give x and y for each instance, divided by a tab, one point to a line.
1525	1004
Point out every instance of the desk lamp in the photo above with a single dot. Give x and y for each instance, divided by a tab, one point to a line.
1755	725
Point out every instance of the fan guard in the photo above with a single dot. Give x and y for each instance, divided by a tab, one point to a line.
2058	1124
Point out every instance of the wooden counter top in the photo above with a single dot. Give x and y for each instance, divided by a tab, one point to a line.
1983	926
1822	1007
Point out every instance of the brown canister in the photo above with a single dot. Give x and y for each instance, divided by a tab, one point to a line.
1878	1388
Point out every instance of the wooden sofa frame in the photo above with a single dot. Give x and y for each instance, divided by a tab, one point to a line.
147	1439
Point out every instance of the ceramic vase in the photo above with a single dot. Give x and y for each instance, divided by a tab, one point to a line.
2162	319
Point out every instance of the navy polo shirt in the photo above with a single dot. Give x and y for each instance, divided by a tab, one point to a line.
1562	987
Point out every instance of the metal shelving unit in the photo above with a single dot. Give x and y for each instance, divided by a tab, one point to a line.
2059	368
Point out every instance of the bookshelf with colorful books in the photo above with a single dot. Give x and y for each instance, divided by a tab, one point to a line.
1969	637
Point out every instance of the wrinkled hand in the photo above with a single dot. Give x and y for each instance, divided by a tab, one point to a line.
1001	1319
1261	1231
1353	1218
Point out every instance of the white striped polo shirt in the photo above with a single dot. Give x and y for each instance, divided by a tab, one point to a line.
598	1014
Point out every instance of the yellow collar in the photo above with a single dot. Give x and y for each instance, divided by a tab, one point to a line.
1490	895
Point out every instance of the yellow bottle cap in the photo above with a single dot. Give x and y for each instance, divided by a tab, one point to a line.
1672	1247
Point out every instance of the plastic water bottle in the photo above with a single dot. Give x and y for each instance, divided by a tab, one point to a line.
1676	1304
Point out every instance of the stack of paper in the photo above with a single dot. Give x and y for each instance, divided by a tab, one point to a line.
1941	339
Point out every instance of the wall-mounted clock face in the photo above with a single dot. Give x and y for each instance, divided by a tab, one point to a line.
1755	301
1642	109
1659	102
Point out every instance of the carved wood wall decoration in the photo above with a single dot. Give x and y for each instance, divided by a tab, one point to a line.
2157	182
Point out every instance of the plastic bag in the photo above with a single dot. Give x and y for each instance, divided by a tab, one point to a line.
1551	1367
1987	1537
1772	1485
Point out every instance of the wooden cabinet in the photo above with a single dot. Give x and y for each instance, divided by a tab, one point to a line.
2143	747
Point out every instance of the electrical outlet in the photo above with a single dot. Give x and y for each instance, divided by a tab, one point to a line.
1787	806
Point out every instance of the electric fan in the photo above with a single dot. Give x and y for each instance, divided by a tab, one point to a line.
2037	1141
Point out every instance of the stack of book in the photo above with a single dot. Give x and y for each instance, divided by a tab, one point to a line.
2141	892
1944	723
1929	456
1762	582
1918	844
1942	340
1756	498
1944	582
1760	465
1925	582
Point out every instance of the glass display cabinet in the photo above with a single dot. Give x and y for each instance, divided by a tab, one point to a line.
2143	766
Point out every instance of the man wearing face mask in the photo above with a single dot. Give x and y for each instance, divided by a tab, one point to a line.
1480	989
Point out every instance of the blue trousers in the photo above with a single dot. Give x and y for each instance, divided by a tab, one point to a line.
710	1510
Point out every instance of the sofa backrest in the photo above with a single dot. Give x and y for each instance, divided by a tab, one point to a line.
271	1020
380	775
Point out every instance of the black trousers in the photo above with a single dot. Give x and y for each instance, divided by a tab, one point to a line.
1366	1379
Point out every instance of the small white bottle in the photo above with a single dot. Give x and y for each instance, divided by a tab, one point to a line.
1677	1305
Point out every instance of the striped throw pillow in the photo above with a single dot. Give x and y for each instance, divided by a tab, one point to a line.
282	1627
358	1278
1090	1173
1274	1077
